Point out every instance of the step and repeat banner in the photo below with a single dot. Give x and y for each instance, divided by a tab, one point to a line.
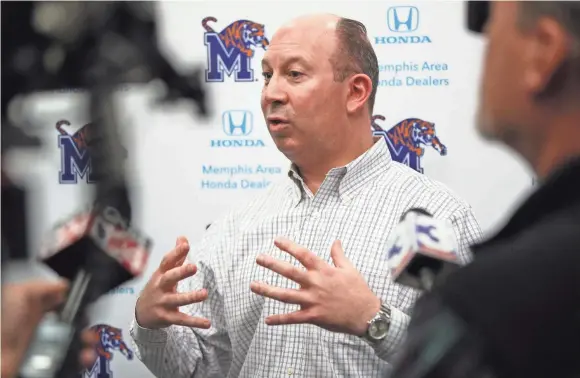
186	171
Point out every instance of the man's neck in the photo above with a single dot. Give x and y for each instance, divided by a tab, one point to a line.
314	174
560	144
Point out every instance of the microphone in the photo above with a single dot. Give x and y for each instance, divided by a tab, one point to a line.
517	309
96	250
421	250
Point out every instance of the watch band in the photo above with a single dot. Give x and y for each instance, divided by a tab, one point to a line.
386	310
383	315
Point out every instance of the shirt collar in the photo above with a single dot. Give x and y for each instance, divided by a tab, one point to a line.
560	191
352	176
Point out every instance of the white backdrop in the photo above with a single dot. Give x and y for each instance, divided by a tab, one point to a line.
187	172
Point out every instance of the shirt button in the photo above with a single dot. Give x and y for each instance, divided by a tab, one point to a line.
290	371
316	215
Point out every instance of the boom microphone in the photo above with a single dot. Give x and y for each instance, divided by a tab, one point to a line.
96	250
421	249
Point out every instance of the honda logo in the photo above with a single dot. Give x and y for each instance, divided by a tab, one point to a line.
237	122
403	19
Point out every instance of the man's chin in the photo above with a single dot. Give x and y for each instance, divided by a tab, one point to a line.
486	134
485	128
285	145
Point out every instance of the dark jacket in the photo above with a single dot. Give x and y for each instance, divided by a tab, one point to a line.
521	294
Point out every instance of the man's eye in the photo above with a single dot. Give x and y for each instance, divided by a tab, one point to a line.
295	74
266	75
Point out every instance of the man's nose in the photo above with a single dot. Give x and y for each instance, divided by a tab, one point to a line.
275	91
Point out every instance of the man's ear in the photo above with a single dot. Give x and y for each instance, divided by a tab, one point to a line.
545	54
359	91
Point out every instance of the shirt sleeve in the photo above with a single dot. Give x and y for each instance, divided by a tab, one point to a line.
184	352
468	232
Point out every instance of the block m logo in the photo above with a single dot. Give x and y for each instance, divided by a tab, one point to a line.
231	50
75	157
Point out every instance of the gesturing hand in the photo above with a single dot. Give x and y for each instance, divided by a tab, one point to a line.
158	305
336	298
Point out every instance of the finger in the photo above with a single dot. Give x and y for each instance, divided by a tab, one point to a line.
306	258
181	240
285	269
173	257
184	299
291	296
338	257
185	320
170	278
296	317
90	337
88	358
45	294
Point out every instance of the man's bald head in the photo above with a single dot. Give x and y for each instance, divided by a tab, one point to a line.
322	21
352	51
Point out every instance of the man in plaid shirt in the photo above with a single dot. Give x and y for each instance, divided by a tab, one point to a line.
287	284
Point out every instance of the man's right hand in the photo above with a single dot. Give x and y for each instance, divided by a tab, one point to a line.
158	305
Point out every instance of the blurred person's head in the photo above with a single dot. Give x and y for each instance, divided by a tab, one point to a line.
320	81
530	96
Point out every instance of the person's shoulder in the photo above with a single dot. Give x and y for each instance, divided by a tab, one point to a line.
555	231
422	190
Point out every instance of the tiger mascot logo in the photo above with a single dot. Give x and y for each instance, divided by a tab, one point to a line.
230	51
406	140
241	35
79	137
110	340
78	148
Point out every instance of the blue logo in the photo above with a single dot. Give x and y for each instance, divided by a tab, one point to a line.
75	158
395	249
407	138
403	19
237	125
110	341
237	122
76	162
426	230
231	51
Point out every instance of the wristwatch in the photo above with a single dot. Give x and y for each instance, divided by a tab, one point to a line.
378	327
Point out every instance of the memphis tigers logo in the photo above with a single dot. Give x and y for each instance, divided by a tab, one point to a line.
75	143
75	157
406	140
110	342
231	51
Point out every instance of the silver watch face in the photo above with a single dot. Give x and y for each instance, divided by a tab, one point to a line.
379	328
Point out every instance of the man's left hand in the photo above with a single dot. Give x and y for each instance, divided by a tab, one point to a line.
336	298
